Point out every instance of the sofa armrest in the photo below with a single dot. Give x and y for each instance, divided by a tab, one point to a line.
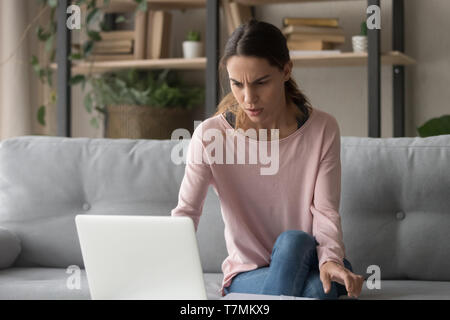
10	248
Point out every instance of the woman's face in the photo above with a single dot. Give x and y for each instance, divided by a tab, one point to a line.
258	85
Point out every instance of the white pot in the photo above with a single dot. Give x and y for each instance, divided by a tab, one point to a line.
192	49
359	43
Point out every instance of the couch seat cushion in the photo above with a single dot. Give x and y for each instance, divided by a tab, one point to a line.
40	284
51	284
408	290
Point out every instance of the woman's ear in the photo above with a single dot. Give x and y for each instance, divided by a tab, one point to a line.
288	70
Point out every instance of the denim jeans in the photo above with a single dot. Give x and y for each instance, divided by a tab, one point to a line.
293	271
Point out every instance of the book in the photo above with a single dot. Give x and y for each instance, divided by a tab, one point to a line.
140	26
124	50
228	16
309	45
158	34
235	14
312	30
110	57
314	22
117	35
323	37
239	13
113	46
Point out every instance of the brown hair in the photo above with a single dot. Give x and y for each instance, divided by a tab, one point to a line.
264	40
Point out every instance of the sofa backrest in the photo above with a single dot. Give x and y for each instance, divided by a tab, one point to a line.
46	181
395	198
395	206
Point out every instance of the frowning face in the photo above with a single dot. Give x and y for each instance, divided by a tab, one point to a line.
259	86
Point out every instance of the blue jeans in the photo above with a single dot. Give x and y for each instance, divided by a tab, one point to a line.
293	271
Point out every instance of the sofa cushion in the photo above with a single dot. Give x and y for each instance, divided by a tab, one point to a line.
52	284
9	248
395	206
41	284
46	181
408	290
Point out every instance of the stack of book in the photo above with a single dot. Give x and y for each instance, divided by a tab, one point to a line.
312	34
122	44
115	45
150	39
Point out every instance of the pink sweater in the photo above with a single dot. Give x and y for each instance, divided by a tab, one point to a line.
303	195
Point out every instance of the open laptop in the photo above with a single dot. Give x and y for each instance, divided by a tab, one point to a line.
141	257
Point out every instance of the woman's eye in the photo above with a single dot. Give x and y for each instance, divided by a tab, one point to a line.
261	82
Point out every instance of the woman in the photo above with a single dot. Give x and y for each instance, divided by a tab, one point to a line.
282	231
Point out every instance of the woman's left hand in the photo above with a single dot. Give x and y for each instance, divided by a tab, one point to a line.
332	271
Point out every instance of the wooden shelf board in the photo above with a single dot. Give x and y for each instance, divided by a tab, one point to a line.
314	60
263	2
130	5
105	66
349	59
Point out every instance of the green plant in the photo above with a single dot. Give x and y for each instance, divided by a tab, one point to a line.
435	127
193	36
363	28
156	88
47	34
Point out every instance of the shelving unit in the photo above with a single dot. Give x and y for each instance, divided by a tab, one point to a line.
373	59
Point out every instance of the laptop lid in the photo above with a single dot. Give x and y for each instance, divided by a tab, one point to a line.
141	257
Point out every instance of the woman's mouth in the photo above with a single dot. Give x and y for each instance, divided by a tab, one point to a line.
255	112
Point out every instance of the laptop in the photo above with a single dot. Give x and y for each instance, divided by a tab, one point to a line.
141	257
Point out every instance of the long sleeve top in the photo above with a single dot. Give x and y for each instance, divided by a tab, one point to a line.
303	193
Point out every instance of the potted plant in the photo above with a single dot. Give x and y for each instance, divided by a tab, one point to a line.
144	104
359	42
435	127
192	47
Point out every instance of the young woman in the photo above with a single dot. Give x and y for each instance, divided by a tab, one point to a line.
282	231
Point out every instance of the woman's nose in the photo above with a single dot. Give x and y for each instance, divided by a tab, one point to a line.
250	96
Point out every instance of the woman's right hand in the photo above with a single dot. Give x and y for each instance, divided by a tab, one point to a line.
332	271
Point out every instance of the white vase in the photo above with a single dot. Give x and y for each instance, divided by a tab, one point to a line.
359	43
192	49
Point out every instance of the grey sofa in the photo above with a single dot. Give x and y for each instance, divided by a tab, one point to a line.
395	208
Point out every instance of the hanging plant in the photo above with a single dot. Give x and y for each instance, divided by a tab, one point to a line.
47	34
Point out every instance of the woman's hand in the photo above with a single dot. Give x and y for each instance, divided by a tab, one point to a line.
332	271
